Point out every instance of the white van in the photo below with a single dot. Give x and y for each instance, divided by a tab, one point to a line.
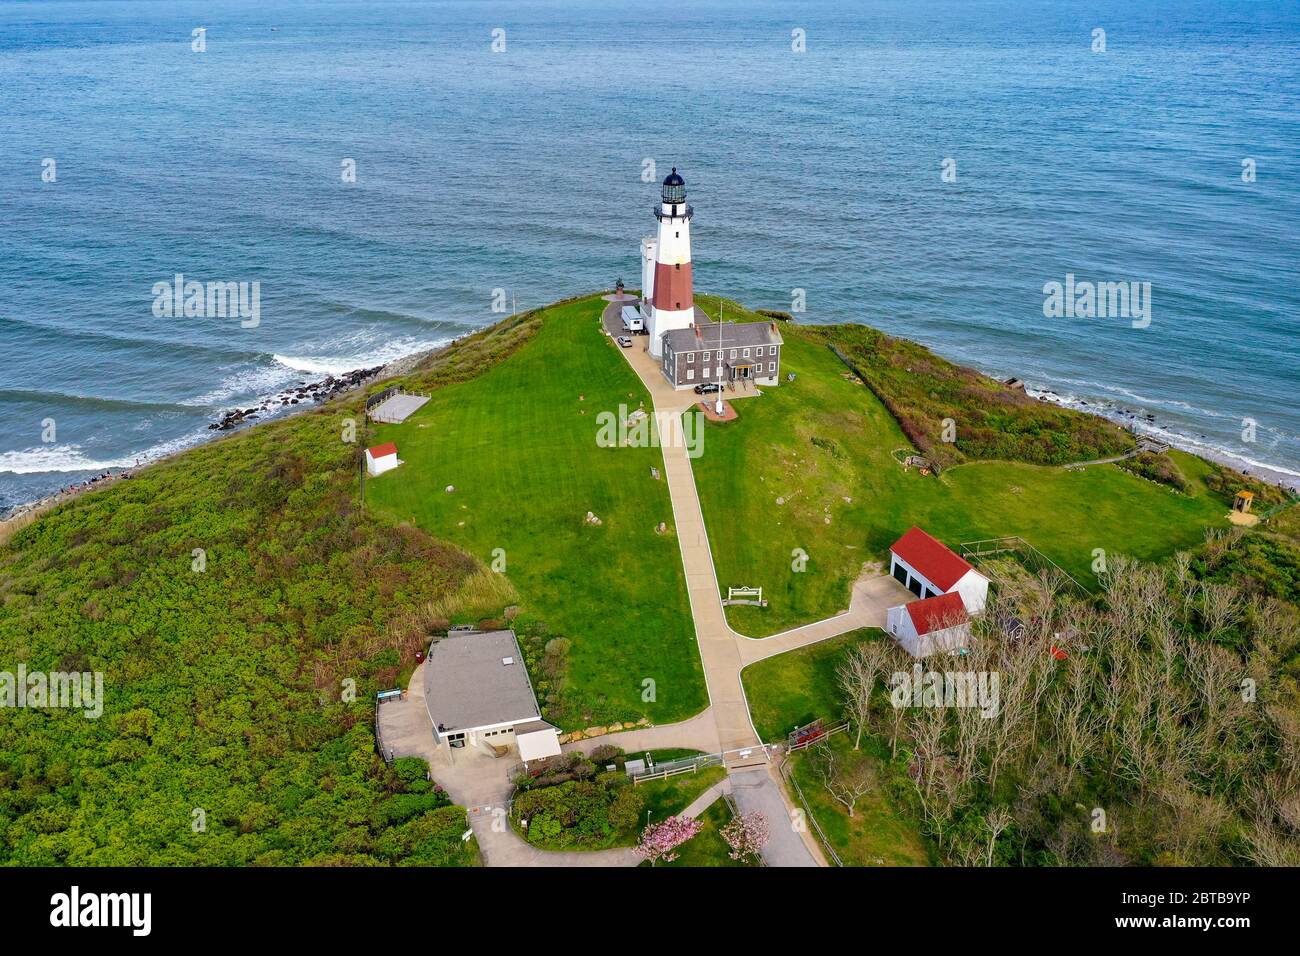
632	321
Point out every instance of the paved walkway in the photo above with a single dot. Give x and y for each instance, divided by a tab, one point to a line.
697	733
724	651
480	783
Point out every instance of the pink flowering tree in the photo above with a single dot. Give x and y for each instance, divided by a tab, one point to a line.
746	834
659	841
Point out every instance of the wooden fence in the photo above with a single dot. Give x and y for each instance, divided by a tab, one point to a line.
810	741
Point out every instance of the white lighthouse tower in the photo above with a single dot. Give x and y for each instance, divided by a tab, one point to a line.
666	266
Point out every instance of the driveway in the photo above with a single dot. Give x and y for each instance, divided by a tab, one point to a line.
758	789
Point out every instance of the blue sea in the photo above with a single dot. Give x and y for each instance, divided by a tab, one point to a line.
506	146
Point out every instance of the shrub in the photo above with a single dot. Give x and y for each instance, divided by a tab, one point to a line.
920	390
1156	468
625	809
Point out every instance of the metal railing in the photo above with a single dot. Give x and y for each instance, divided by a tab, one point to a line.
1034	559
670	768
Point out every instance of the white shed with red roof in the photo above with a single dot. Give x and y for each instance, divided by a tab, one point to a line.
928	567
933	624
381	458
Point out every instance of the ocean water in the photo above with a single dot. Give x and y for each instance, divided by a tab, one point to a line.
522	170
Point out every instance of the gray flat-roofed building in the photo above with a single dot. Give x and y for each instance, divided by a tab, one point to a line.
724	353
477	691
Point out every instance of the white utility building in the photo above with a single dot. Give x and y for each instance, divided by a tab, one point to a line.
478	695
925	627
381	458
928	567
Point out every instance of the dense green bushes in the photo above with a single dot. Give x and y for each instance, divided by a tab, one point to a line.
579	813
989	420
243	609
1158	468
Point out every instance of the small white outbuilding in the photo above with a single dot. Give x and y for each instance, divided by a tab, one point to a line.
931	625
381	458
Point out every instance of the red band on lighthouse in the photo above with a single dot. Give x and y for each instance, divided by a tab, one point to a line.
673	286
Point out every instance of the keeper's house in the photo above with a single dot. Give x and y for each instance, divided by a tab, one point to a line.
479	696
927	567
722	353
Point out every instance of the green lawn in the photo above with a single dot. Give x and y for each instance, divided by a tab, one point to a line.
795	688
519	445
662	799
845	499
670	796
877	834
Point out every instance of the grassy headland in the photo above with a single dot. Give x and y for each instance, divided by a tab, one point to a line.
814	464
518	445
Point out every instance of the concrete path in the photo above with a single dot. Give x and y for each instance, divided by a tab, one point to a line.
872	597
698	733
725	652
707	798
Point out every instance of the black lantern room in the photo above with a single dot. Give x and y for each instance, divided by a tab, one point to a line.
674	188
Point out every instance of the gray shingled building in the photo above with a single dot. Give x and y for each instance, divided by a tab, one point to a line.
478	694
724	353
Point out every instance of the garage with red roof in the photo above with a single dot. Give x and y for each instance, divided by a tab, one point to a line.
928	567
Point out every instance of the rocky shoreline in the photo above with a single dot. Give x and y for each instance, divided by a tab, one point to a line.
1136	420
303	394
315	392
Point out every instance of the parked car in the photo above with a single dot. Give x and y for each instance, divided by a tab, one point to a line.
707	388
625	341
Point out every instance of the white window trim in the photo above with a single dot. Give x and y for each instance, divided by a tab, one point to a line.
690	374
771	367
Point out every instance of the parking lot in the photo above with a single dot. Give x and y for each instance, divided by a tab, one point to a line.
613	323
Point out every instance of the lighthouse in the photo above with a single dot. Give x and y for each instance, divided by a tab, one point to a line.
666	266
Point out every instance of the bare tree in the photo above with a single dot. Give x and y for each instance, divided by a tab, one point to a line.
997	820
865	664
846	781
1219	606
